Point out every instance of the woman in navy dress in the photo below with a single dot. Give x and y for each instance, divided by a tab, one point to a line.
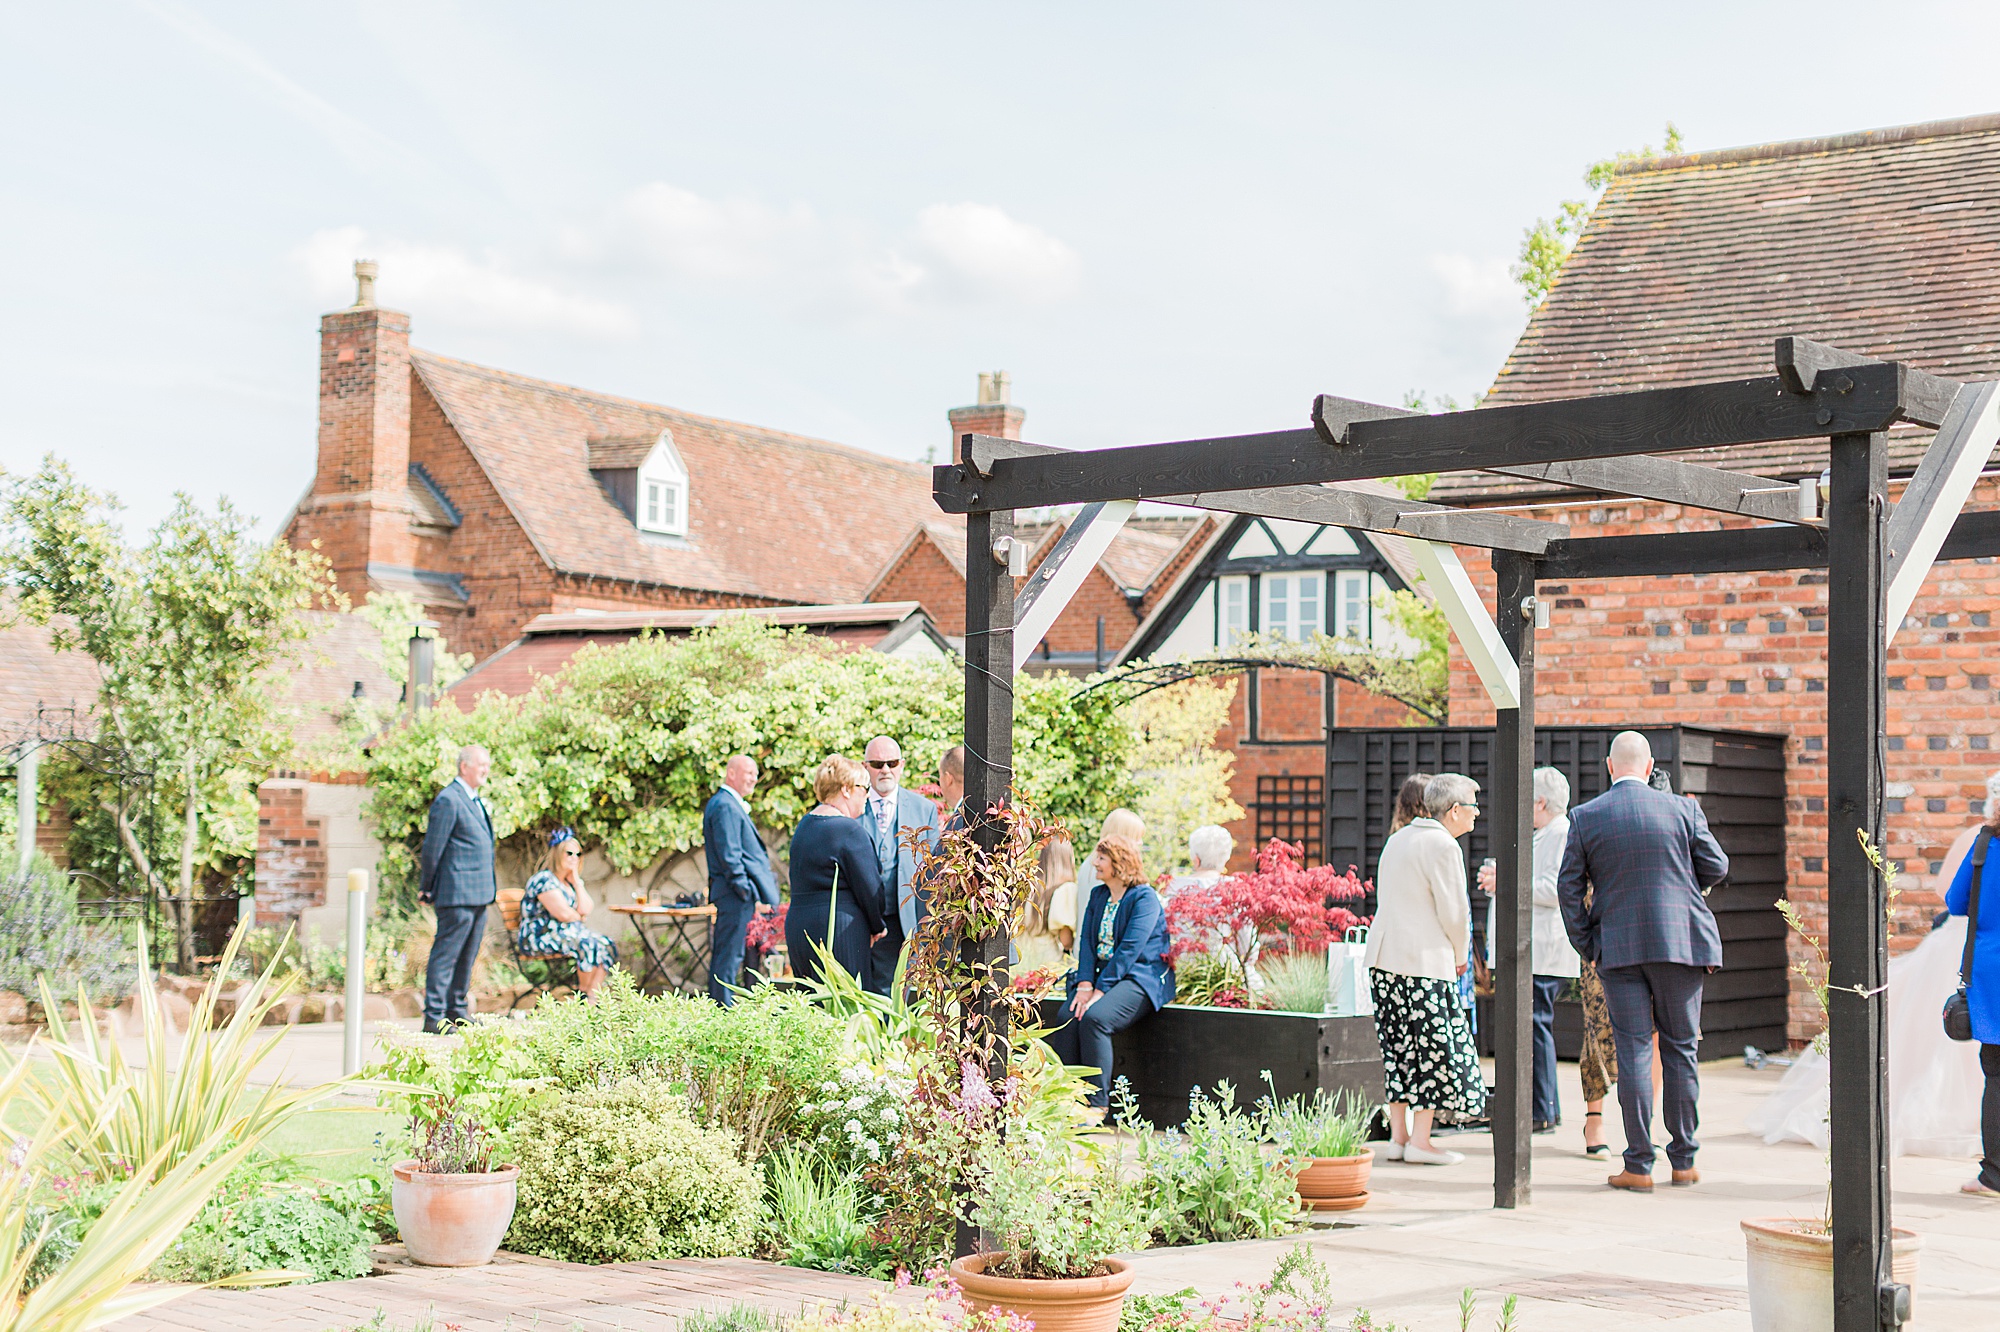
1982	990
835	878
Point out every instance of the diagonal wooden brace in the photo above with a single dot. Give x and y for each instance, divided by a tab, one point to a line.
1936	495
1051	586
1465	611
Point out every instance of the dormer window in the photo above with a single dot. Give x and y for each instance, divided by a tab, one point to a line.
645	477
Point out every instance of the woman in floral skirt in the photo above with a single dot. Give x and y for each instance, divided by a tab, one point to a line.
1417	948
553	908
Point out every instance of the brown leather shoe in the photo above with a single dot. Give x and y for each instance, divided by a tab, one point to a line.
1626	1179
1685	1178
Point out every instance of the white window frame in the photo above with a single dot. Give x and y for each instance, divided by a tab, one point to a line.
1293	604
1353	604
1232	609
663	474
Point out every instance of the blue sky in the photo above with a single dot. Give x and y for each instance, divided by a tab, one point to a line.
1163	220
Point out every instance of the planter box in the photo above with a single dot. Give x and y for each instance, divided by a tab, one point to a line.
1166	1056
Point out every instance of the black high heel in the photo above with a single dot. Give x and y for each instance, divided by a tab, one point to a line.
1603	1149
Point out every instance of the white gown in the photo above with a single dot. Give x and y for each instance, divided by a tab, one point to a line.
1934	1082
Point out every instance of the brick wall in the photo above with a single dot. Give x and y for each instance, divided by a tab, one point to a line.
291	853
1748	651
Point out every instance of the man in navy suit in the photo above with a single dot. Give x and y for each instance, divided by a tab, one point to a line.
890	814
740	882
1648	859
455	875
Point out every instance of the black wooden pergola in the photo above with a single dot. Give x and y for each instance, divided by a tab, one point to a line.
1876	553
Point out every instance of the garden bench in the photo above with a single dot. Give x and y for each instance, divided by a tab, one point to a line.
558	969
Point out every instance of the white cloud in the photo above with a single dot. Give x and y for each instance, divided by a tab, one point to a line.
953	255
448	282
1477	288
992	253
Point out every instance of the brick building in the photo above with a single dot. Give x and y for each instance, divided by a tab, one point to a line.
1885	243
494	498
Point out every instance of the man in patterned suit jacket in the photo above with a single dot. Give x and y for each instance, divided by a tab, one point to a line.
455	875
1648	859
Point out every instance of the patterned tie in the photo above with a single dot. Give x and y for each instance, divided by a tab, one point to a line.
885	846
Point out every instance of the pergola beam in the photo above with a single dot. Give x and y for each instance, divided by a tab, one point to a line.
1974	536
1347	444
1331	506
1801	362
1675	483
1925	515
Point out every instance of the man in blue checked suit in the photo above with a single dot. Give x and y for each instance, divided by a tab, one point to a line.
890	814
740	882
455	875
1646	859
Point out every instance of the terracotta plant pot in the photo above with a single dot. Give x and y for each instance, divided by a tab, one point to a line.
452	1220
1084	1304
1791	1273
1336	1183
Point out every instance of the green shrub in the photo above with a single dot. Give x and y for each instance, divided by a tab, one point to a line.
624	1174
1212	1180
749	1068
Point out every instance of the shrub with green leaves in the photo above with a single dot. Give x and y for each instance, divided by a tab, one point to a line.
1212	1179
625	1174
749	1068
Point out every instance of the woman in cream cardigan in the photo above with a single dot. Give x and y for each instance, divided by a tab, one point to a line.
1417	946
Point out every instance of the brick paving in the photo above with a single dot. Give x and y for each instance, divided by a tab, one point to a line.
515	1292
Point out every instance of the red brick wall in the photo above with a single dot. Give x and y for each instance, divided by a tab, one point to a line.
291	854
1748	651
925	576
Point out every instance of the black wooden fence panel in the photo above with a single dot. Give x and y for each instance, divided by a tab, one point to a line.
1738	778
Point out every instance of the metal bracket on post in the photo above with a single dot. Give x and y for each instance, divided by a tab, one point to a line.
1465	611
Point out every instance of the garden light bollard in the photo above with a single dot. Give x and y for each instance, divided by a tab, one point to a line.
357	955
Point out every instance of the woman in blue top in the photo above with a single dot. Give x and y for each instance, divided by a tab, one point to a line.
1121	957
1982	991
835	879
554	906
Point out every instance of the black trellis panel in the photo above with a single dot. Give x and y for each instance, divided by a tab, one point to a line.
1293	808
1738	777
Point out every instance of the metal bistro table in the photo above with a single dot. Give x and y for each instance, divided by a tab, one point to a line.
676	934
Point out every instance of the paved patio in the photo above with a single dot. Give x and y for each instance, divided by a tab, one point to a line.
1582	1257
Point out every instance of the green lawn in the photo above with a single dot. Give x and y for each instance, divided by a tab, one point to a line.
341	1143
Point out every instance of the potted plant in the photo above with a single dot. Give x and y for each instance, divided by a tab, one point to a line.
1052	1238
1329	1134
1790	1259
452	1204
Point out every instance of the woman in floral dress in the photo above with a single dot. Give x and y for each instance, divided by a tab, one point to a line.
553	908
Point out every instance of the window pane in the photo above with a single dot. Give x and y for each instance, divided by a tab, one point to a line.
653	489
670	505
1310	621
1235	609
1278	611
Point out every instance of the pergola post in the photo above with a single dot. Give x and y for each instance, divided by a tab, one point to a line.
1512	830
989	742
1864	1295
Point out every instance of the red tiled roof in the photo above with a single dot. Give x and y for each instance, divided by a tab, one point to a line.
548	642
771	515
1885	243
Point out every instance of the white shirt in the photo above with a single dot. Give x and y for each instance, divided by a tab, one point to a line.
1550	951
884	807
741	803
1423	916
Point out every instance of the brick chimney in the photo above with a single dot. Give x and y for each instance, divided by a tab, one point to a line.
993	415
359	509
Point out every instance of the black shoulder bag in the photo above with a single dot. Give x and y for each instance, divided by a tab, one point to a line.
1958	1008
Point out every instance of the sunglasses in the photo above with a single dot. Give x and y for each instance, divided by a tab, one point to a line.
884	763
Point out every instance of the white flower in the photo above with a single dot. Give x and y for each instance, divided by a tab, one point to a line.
853	1127
857	1103
888	1114
829	1086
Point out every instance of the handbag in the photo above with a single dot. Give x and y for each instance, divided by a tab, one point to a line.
1958	1008
1348	993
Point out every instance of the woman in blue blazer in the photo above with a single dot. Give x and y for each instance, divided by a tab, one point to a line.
1121	957
1982	991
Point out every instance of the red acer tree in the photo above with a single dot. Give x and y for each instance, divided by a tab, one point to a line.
1281	906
